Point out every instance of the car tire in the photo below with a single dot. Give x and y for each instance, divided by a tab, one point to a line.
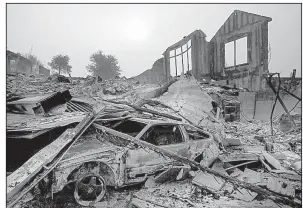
89	189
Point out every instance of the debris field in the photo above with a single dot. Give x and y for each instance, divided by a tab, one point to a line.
88	142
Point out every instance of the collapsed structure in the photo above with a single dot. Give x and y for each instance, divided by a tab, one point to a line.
212	59
15	62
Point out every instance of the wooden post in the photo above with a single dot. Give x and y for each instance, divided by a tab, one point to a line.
187	56
235	54
182	60
193	56
176	63
255	105
165	65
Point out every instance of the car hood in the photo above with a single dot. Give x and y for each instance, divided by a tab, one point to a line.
90	147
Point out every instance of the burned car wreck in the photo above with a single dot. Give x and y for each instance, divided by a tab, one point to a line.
100	160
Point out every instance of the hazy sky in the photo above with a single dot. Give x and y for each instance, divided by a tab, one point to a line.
138	34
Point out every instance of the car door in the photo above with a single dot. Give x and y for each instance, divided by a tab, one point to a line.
141	162
202	147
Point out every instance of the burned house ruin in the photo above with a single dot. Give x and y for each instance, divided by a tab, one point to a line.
237	54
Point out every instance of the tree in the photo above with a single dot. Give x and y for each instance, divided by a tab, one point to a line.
105	66
35	62
60	63
33	59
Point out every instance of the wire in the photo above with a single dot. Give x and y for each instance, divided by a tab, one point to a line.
295	105
273	108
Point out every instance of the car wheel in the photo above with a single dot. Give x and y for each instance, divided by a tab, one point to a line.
89	189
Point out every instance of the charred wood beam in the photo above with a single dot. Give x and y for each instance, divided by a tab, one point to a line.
270	195
246	163
155	112
113	119
148	110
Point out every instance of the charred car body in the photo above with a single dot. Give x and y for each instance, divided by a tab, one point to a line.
103	159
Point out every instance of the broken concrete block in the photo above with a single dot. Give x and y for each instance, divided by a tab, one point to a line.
279	156
254	149
233	142
250	176
208	181
278	186
225	143
238	157
272	161
244	194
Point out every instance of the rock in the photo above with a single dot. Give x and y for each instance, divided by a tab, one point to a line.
233	141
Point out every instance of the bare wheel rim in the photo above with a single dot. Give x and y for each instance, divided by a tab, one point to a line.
89	189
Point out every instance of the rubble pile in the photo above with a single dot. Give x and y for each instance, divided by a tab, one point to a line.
19	84
172	139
